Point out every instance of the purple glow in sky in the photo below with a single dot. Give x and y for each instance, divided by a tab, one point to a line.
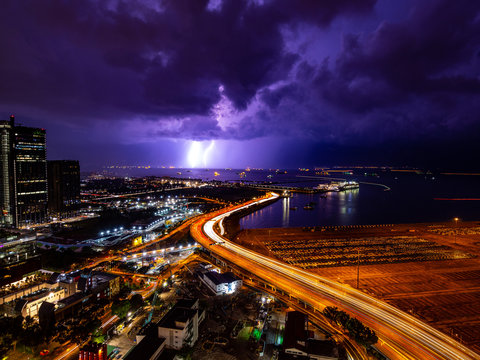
231	83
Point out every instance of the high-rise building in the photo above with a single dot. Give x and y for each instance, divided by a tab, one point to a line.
7	177
63	187
24	174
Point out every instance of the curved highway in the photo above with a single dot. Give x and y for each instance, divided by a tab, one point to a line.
401	336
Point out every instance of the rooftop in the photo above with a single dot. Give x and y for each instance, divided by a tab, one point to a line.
176	317
295	330
322	347
145	348
73	299
104	275
218	278
179	314
186	303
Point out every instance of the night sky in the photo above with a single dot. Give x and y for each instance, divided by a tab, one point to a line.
260	83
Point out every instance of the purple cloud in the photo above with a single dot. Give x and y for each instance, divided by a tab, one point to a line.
333	73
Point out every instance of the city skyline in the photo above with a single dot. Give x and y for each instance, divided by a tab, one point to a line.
246	83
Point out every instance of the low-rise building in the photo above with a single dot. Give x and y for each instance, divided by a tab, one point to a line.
50	313
101	284
179	326
221	284
149	346
93	352
30	304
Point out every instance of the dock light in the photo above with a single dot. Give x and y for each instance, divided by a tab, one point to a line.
115	229
108	231
101	234
124	258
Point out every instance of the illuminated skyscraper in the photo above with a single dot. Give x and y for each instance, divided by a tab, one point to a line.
24	174
7	196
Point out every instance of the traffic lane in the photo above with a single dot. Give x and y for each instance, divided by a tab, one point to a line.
207	242
298	291
442	338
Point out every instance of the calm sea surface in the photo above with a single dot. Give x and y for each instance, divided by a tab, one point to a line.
412	197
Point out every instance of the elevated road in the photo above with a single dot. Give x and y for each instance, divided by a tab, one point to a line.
401	336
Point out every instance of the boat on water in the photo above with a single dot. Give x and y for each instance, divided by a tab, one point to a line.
293	208
216	173
242	174
269	176
350	185
179	173
338	186
308	207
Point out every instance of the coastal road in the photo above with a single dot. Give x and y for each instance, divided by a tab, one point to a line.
401	336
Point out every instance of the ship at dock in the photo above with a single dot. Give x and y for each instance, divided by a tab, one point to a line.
338	186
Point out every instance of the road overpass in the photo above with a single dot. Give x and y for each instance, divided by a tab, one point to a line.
401	336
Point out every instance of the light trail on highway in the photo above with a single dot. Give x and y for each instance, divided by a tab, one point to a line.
400	334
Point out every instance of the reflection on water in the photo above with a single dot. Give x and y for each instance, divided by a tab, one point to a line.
411	197
409	201
306	210
286	212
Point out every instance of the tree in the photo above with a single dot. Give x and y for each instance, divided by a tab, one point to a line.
32	333
136	301
186	352
355	328
341	318
330	312
98	336
121	308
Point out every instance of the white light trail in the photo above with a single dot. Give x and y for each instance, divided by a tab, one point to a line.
395	320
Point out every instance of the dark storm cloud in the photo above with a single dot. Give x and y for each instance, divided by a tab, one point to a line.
405	80
158	58
126	72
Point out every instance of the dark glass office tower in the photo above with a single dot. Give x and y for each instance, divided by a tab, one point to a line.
63	187
31	175
24	174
